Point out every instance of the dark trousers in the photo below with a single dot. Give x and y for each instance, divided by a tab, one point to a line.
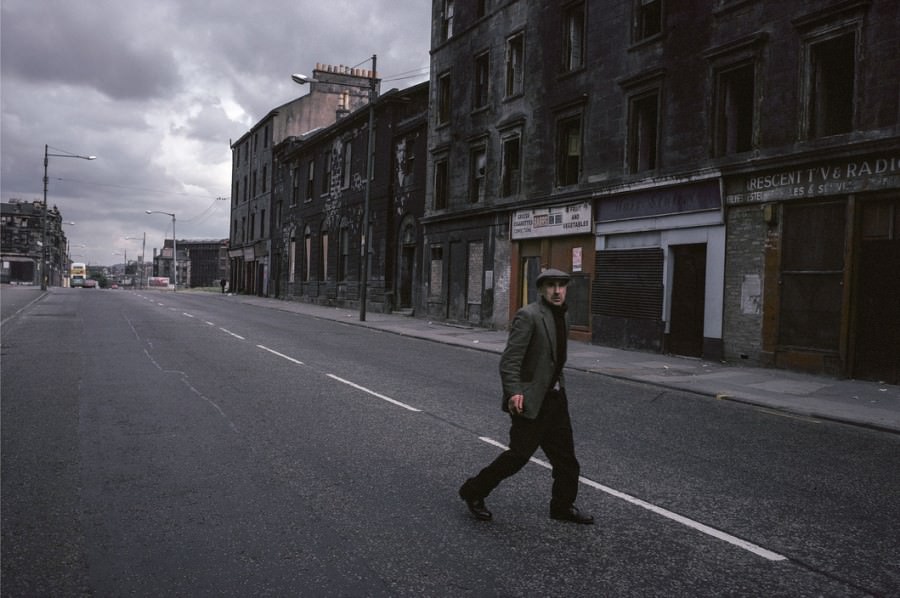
551	430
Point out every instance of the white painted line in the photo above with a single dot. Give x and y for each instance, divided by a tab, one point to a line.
208	323
226	331
696	525
184	313
374	394
282	355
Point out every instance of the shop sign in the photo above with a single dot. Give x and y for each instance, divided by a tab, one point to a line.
835	178
662	201
572	219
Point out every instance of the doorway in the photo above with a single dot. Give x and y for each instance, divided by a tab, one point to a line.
688	300
876	354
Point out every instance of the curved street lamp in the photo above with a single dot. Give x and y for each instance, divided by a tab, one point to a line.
47	155
174	243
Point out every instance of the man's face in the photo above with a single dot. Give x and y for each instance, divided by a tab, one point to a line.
553	291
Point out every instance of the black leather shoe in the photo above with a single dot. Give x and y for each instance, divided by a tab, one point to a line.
477	508
571	514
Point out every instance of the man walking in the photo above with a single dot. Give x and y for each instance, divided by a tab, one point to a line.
534	394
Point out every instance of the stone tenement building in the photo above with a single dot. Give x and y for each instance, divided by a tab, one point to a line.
721	177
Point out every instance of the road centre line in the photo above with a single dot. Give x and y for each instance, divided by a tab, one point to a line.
373	393
696	525
282	355
184	313
208	323
226	331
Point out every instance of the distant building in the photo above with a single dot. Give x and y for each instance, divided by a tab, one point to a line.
201	262
320	190
335	90
20	252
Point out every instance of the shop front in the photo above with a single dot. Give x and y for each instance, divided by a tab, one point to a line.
659	269
554	237
815	251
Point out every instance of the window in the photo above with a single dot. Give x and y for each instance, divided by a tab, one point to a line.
265	178
252	226
436	277
515	74
246	189
831	75
441	183
647	19
343	250
407	161
323	254
568	151
734	111
481	8
306	262
326	172
253	183
292	258
511	165
266	137
477	169
310	179
643	132
482	81
345	164
279	208
444	91
447	20
812	274
573	21
262	224
295	185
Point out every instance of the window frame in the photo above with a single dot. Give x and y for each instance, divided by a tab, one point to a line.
637	159
481	89
444	99
515	65
573	58
648	21
441	183
563	175
510	178
477	173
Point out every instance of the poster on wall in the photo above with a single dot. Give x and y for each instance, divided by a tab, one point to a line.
576	259
571	219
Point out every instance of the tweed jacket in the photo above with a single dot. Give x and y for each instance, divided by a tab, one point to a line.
529	360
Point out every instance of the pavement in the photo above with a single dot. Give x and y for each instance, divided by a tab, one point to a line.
869	404
863	403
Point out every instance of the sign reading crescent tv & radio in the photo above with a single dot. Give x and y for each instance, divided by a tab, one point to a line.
556	221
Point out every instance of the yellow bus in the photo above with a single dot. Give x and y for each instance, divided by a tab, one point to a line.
77	274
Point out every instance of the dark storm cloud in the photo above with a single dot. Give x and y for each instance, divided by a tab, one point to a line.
77	43
156	90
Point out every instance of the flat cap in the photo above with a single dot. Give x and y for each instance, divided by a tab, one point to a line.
552	274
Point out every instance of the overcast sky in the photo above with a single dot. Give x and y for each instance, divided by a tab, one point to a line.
158	90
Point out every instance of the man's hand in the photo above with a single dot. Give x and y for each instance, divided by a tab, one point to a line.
517	404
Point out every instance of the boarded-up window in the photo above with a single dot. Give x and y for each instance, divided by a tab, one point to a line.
476	269
812	273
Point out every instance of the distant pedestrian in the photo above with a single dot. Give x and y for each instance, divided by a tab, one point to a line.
534	395
223	282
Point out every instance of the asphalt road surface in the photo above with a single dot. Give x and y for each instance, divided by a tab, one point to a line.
182	444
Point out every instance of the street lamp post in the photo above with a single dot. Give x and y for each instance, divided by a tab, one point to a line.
364	241
143	255
174	243
47	155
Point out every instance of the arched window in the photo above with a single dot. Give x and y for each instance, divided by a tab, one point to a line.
307	254
323	254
